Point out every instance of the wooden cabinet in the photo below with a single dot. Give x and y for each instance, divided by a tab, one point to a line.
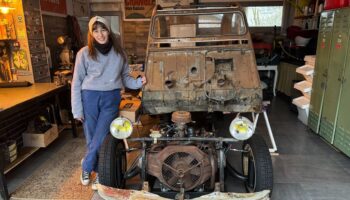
286	77
36	41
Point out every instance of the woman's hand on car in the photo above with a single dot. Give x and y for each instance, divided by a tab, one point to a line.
143	80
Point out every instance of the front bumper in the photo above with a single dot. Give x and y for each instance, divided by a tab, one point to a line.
110	193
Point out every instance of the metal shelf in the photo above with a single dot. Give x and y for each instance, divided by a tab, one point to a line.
23	154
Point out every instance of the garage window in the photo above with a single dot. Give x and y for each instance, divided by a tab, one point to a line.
264	16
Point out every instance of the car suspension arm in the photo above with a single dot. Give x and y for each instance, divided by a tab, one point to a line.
235	173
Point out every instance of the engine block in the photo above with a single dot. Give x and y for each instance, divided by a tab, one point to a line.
181	166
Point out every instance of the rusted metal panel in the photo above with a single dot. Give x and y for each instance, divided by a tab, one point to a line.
109	193
264	195
211	70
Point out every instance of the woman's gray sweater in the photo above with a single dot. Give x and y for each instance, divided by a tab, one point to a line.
105	73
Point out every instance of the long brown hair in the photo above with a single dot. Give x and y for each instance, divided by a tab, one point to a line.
116	41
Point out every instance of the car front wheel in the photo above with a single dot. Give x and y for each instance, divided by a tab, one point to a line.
257	165
112	162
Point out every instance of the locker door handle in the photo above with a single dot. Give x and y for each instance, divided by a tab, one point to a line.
342	80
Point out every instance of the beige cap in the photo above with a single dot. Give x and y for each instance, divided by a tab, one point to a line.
98	19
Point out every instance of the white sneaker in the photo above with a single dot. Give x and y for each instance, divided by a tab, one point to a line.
95	183
85	178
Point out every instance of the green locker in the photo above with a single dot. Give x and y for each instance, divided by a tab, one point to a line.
340	40
342	131
322	61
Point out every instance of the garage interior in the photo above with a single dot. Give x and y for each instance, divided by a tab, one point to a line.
301	51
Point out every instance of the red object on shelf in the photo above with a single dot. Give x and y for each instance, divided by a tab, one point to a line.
266	47
332	4
262	45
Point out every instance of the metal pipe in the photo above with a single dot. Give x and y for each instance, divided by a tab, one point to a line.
269	130
143	162
188	139
126	144
132	172
235	173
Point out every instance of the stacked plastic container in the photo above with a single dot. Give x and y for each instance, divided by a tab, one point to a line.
305	87
333	4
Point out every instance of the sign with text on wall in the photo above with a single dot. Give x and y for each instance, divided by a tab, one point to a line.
138	10
55	6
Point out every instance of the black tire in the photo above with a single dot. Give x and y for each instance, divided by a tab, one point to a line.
112	162
257	165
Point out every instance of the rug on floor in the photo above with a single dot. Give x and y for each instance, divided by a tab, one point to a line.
58	177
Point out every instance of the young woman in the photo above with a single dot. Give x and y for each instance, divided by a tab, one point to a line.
100	71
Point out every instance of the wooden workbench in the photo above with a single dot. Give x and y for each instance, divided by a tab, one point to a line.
12	97
17	107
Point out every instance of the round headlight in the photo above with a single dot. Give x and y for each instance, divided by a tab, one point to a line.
121	128
241	128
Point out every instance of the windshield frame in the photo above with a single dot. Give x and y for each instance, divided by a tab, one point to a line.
154	21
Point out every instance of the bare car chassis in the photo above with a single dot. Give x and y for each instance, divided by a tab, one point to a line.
192	165
199	61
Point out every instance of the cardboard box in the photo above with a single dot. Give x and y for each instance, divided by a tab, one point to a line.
130	109
40	139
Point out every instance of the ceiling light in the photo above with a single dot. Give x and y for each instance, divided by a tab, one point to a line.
5	9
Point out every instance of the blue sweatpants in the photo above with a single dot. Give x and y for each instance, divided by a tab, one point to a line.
100	108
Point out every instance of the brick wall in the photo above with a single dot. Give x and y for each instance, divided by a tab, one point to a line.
135	36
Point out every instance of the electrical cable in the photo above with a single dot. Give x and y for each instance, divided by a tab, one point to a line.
286	52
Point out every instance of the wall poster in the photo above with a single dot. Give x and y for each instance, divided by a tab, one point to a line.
138	10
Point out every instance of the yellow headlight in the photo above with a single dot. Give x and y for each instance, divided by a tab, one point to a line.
121	128
241	128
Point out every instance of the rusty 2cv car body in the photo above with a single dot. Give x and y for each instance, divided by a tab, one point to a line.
199	60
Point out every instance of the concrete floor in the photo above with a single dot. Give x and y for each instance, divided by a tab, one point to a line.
307	168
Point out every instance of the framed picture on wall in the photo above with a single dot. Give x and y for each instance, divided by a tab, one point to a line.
136	10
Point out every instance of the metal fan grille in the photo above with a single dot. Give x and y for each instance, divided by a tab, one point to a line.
181	169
